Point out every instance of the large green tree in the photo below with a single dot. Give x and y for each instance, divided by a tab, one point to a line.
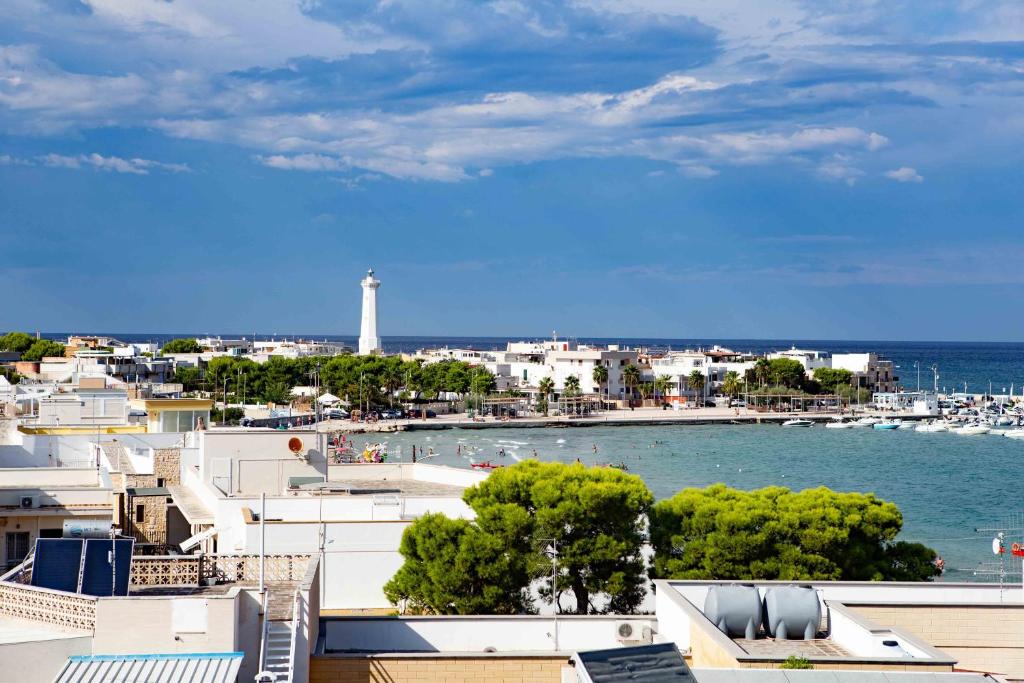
16	341
43	348
787	372
453	567
831	379
631	378
600	377
696	381
571	386
775	533
595	516
182	345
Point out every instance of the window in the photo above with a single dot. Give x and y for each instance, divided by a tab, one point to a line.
160	482
140	514
17	547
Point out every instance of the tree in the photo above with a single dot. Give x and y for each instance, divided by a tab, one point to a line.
571	386
830	379
788	372
630	377
762	371
695	380
596	515
183	345
483	381
645	389
16	341
662	385
775	533
453	567
43	348
600	377
546	386
187	377
731	384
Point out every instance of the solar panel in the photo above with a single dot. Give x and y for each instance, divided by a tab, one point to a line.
56	563
101	565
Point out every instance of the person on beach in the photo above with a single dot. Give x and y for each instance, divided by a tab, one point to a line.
458	449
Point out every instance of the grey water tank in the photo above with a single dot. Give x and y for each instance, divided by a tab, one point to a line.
735	609
790	611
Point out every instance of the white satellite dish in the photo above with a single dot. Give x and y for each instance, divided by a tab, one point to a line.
997	546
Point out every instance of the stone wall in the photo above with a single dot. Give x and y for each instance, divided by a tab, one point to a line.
166	472
982	638
439	669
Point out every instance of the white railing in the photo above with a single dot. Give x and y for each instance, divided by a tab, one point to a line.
264	635
295	629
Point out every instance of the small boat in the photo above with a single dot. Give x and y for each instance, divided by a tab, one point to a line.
1004	421
866	422
972	430
1014	433
485	465
891	424
931	427
838	423
798	422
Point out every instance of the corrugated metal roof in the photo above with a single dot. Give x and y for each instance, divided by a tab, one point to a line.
217	667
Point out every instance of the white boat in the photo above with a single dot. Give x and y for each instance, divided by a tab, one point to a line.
866	422
1014	433
1004	421
972	430
838	424
931	427
887	424
798	422
906	425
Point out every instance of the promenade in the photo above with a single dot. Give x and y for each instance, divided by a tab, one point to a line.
612	418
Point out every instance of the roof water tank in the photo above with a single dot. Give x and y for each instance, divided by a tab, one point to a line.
790	611
735	609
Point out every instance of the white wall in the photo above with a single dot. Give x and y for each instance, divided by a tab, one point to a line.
475	634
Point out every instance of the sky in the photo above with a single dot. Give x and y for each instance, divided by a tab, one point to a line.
611	168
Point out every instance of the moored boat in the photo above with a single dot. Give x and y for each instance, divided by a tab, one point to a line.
798	422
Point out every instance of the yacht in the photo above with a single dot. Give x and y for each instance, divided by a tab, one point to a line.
838	423
798	422
887	424
931	427
972	429
1014	433
865	422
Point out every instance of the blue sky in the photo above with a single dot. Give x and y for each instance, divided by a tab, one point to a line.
618	168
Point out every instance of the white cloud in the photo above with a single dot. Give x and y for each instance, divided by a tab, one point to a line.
698	171
904	174
99	162
839	168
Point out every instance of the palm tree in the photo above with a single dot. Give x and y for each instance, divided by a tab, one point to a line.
731	383
600	376
546	387
392	382
762	370
645	390
630	377
696	381
572	385
662	384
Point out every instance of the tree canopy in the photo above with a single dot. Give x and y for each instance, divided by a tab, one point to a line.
595	516
775	533
831	379
184	345
43	348
16	341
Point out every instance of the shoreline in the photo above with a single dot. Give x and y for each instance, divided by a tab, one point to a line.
639	418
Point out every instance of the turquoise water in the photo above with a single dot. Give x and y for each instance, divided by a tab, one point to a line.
946	485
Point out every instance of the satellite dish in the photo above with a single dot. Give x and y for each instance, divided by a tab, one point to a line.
997	547
295	444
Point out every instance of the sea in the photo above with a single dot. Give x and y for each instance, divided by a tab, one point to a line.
972	367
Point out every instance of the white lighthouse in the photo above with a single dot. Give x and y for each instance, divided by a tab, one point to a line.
369	342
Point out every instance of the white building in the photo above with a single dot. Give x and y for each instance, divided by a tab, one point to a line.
810	359
869	371
369	342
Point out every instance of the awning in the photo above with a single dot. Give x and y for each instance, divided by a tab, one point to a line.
216	667
191	507
328	399
193	541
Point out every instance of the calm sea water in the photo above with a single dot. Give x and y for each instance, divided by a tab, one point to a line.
976	363
946	485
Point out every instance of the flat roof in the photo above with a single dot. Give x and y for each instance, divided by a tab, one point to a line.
14	631
207	667
401	487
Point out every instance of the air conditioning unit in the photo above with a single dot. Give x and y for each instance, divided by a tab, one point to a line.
29	502
633	632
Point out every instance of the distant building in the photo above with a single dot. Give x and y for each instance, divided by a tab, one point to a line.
869	371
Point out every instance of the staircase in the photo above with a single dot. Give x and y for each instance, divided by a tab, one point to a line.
277	648
278	651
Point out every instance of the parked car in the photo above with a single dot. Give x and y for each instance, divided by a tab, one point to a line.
336	414
416	413
391	414
737	403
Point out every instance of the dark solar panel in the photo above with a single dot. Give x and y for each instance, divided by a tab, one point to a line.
659	663
101	565
56	563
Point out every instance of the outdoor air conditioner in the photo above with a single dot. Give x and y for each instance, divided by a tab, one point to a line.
633	632
29	502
